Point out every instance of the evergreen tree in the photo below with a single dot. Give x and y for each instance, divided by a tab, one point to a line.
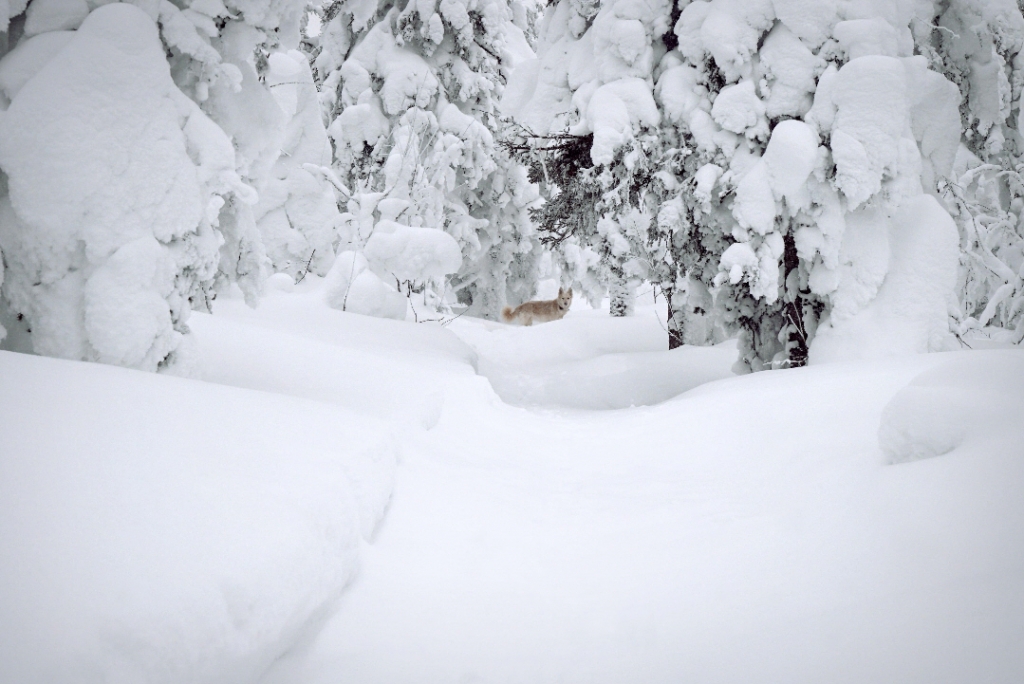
977	45
410	89
791	140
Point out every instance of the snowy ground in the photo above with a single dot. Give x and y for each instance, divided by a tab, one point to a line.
751	529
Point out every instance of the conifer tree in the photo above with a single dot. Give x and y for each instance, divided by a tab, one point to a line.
410	90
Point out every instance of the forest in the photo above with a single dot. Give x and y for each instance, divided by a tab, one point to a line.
268	414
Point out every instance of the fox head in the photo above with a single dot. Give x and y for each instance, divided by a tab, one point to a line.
564	299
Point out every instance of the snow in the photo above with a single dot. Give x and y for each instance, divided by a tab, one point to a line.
871	115
793	70
557	544
352	482
861	37
352	286
810	20
410	253
956	405
729	38
678	92
614	111
54	15
138	161
738	109
605	545
913	273
935	116
754	206
135	550
21	64
297	213
790	157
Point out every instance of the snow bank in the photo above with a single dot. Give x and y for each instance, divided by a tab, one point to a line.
589	360
975	399
164	530
662	545
295	344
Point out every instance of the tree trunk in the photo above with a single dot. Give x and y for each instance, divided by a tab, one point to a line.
676	320
796	342
621	296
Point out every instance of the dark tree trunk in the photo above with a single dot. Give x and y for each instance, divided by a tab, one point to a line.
796	342
676	321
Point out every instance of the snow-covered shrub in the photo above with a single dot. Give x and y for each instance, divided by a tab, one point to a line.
410	89
352	286
116	180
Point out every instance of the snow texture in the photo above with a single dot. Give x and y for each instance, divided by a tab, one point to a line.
136	550
969	401
352	286
913	273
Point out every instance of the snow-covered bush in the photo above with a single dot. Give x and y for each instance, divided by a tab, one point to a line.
789	143
410	89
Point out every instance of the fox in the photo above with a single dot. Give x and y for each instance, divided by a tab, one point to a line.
539	312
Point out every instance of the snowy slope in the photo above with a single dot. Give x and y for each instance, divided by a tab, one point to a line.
749	530
154	529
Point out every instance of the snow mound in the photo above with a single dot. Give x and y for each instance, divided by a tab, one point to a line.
296	344
591	361
352	286
155	529
976	397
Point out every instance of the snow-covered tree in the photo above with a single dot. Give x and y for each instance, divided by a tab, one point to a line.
978	46
134	142
589	125
794	146
410	89
115	179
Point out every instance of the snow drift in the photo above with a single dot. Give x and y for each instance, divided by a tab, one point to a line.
164	530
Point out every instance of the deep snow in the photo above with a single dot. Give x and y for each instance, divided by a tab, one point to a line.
750	529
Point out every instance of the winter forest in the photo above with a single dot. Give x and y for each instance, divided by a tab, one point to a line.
438	341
